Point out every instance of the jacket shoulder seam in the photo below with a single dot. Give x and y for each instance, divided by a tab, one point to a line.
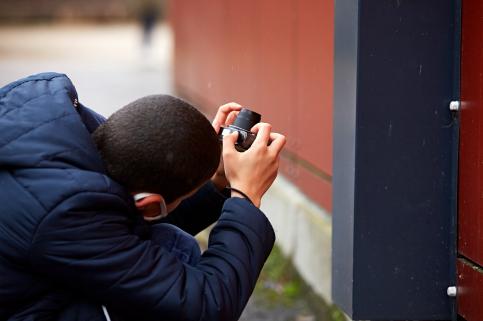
35	98
32	80
27	190
37	127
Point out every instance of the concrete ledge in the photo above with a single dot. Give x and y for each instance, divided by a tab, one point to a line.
304	233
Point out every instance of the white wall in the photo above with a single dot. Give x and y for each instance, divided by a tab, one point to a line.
303	230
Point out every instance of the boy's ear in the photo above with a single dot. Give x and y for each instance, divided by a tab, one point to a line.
150	199
149	205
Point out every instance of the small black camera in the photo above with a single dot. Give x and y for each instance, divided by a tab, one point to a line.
245	120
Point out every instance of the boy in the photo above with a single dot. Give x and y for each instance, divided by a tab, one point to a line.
68	222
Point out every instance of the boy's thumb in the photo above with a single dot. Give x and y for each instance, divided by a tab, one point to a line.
230	140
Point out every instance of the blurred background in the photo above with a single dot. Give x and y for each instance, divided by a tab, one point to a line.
389	67
116	51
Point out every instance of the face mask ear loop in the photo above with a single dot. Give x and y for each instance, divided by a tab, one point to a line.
163	207
140	196
163	210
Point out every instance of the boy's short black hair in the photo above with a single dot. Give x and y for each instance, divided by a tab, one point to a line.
159	144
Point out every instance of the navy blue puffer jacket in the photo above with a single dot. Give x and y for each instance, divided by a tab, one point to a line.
66	227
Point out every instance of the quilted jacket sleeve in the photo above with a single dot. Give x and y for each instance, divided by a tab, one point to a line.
90	250
199	211
90	118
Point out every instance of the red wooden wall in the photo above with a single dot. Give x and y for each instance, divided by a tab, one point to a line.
273	56
470	199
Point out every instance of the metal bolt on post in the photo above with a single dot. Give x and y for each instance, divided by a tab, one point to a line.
454	105
451	291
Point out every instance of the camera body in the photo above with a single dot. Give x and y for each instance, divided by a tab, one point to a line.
245	120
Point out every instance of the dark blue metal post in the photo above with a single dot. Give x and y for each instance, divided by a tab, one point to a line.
394	158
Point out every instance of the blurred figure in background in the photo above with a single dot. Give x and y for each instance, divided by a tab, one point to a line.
148	13
99	44
148	17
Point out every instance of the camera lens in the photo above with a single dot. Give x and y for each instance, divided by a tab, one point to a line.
246	119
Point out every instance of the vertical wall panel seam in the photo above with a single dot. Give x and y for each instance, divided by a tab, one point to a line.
455	159
356	198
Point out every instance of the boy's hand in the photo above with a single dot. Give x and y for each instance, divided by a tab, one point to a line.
225	116
254	170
